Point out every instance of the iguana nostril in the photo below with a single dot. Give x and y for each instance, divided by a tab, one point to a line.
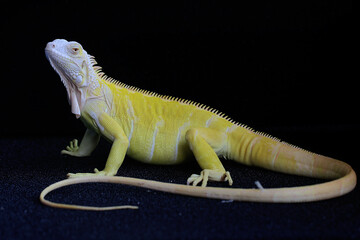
50	45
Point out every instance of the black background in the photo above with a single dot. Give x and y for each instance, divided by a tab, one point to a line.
262	63
284	68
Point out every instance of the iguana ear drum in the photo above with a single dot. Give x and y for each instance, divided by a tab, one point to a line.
159	129
84	65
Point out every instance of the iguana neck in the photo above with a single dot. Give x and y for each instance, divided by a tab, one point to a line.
79	95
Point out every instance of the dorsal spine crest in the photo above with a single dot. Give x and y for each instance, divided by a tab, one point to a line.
110	80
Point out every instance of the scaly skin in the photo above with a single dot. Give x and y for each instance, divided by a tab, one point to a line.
164	130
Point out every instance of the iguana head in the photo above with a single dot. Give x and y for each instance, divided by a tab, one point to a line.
74	67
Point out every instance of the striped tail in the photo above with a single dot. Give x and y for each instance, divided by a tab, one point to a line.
250	148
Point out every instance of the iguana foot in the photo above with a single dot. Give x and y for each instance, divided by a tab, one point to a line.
96	173
206	175
73	149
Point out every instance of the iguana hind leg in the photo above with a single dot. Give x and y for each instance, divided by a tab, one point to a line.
205	144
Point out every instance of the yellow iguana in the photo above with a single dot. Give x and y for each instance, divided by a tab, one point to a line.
159	129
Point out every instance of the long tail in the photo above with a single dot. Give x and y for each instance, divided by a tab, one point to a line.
257	149
285	195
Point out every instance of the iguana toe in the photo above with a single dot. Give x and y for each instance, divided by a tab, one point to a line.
96	173
207	175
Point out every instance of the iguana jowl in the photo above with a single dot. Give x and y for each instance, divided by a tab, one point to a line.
160	129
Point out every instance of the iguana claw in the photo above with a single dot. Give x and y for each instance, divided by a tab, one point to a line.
207	175
194	179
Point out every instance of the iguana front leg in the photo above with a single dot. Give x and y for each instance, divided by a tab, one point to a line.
87	145
111	130
204	143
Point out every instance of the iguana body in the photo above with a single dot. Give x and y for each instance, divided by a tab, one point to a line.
164	130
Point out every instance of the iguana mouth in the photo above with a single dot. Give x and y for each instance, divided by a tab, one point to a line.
50	59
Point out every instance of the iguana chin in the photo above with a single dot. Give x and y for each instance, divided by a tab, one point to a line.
159	129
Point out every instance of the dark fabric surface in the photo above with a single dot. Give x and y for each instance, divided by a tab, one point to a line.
28	165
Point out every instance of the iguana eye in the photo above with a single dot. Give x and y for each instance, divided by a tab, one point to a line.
74	48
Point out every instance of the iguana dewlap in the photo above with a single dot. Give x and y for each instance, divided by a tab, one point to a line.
159	129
